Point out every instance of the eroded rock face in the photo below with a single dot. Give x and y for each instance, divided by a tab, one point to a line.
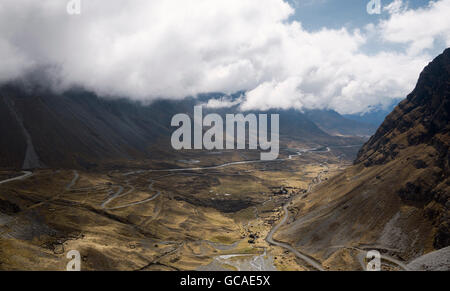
421	118
421	121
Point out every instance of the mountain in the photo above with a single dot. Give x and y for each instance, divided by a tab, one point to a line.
374	117
419	130
335	124
300	126
395	198
77	128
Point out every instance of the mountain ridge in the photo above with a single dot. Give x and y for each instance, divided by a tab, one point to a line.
396	196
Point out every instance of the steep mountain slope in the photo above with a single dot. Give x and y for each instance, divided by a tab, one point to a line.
422	121
396	196
79	129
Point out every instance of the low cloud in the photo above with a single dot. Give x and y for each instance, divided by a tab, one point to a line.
145	50
223	102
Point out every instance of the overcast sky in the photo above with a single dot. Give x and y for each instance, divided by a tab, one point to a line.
285	54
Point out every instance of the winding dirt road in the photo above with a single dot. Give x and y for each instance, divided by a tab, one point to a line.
303	257
25	175
269	237
290	157
132	188
317	265
72	183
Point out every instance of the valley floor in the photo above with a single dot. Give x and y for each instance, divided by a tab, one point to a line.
204	213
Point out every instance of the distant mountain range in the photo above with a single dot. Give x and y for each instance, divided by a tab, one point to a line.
374	117
77	128
335	124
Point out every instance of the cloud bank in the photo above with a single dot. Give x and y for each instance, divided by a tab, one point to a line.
145	50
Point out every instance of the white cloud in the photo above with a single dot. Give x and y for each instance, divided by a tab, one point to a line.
171	49
420	28
223	102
